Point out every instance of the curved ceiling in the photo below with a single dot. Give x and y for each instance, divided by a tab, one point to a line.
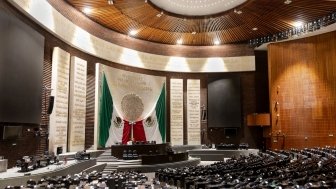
253	19
197	7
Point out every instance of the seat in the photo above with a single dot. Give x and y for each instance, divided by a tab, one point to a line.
135	154
125	156
130	155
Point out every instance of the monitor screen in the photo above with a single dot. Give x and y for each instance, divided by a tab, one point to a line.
224	104
12	132
231	132
21	69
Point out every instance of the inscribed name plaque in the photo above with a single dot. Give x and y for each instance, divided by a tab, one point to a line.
77	104
193	112
176	111
60	85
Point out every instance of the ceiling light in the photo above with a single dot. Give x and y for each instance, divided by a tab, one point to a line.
254	29
216	42
298	24
87	10
287	2
237	11
110	2
179	42
133	32
160	14
193	32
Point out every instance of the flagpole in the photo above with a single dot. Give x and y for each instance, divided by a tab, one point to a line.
132	125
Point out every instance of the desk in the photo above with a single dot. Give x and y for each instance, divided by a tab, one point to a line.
117	150
163	158
3	165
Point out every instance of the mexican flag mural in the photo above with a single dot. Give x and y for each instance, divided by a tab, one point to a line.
132	107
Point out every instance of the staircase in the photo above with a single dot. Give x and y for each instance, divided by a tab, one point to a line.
112	163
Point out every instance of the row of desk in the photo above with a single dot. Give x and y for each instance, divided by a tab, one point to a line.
150	153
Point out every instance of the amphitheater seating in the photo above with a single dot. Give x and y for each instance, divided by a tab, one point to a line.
307	168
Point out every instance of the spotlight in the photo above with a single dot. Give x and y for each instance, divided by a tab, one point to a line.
133	32
287	2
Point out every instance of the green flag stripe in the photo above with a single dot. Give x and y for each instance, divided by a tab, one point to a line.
161	113
105	113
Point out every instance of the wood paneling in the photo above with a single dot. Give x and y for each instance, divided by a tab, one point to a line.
256	119
269	16
90	105
226	50
303	92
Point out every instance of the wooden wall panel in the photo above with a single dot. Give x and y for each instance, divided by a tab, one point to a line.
303	92
90	102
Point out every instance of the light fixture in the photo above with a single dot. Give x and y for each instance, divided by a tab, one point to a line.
287	2
193	33
160	14
254	29
298	24
179	41
237	11
110	2
216	42
87	10
133	32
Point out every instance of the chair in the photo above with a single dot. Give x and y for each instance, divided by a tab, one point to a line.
125	156
135	154
130	154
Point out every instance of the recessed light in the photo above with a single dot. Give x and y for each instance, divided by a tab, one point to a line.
254	29
193	32
179	42
87	10
133	32
298	24
237	11
216	42
110	2
287	2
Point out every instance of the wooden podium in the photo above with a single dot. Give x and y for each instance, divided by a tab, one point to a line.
141	149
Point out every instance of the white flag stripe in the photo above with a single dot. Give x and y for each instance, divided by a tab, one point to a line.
116	130
151	127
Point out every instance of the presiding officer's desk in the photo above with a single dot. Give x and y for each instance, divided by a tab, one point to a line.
141	149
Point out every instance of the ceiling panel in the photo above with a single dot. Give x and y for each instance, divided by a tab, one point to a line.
152	24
